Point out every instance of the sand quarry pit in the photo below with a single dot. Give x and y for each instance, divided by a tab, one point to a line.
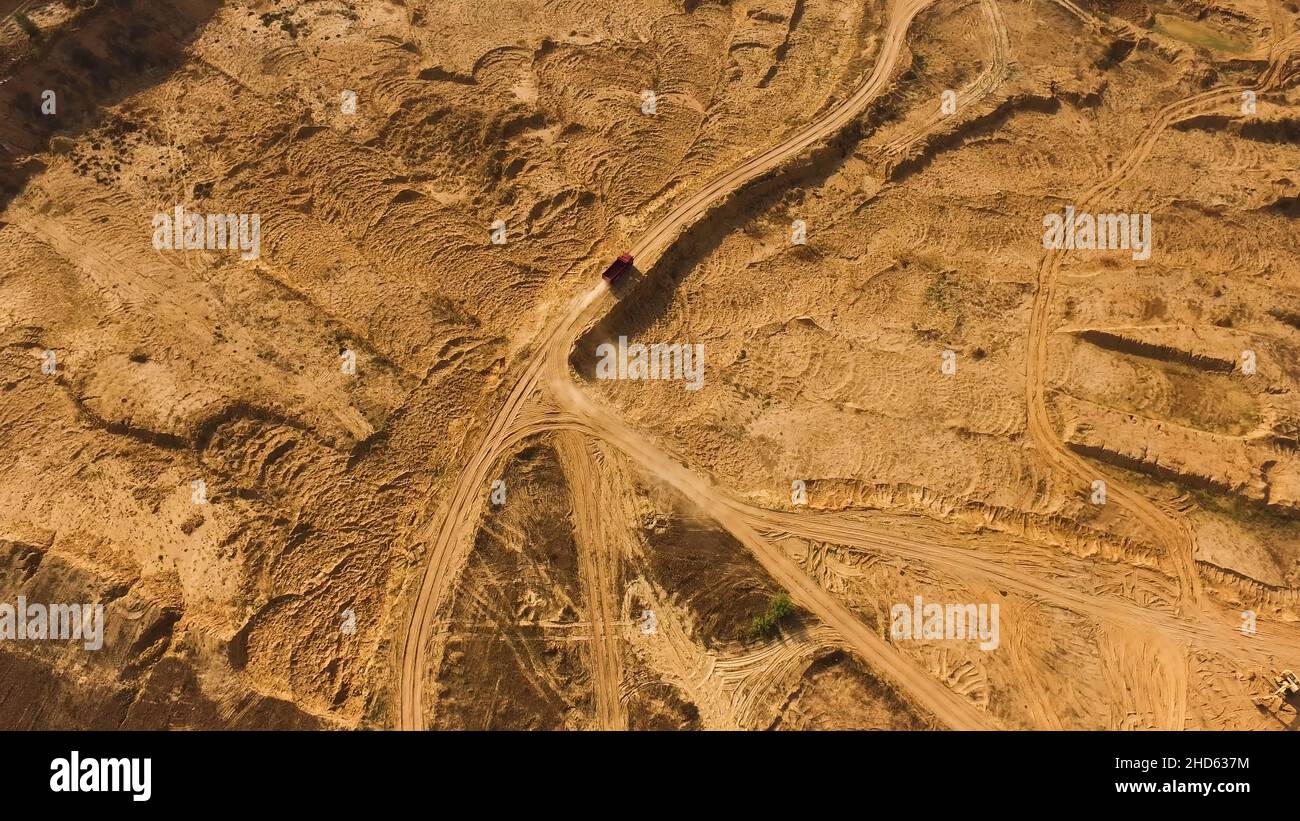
309	377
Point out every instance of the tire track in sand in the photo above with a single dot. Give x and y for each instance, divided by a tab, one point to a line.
930	694
446	531
598	563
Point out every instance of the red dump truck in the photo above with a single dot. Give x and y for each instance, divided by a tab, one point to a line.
617	268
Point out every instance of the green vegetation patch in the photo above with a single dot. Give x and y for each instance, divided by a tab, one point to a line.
765	624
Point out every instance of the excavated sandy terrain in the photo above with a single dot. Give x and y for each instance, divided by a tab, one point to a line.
369	469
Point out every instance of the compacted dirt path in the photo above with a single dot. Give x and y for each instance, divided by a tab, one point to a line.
575	417
449	536
598	565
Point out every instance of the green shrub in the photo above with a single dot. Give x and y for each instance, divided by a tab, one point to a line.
765	624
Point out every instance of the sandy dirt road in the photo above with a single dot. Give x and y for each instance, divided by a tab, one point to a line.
759	530
1173	535
658	238
994	73
1222	634
547	370
948	707
448	529
598	566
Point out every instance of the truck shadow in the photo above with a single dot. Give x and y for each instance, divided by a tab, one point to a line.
645	296
623	287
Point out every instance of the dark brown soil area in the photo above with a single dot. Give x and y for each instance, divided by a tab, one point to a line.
839	693
708	572
503	669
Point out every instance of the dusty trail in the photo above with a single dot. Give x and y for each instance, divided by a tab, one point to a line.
449	542
1170	530
994	73
932	695
680	660
835	528
660	236
749	677
758	529
1174	536
1282	65
598	566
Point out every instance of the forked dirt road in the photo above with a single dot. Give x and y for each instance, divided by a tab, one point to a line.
931	694
448	530
756	528
994	72
1174	535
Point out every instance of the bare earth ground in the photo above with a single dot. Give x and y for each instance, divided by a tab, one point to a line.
473	530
